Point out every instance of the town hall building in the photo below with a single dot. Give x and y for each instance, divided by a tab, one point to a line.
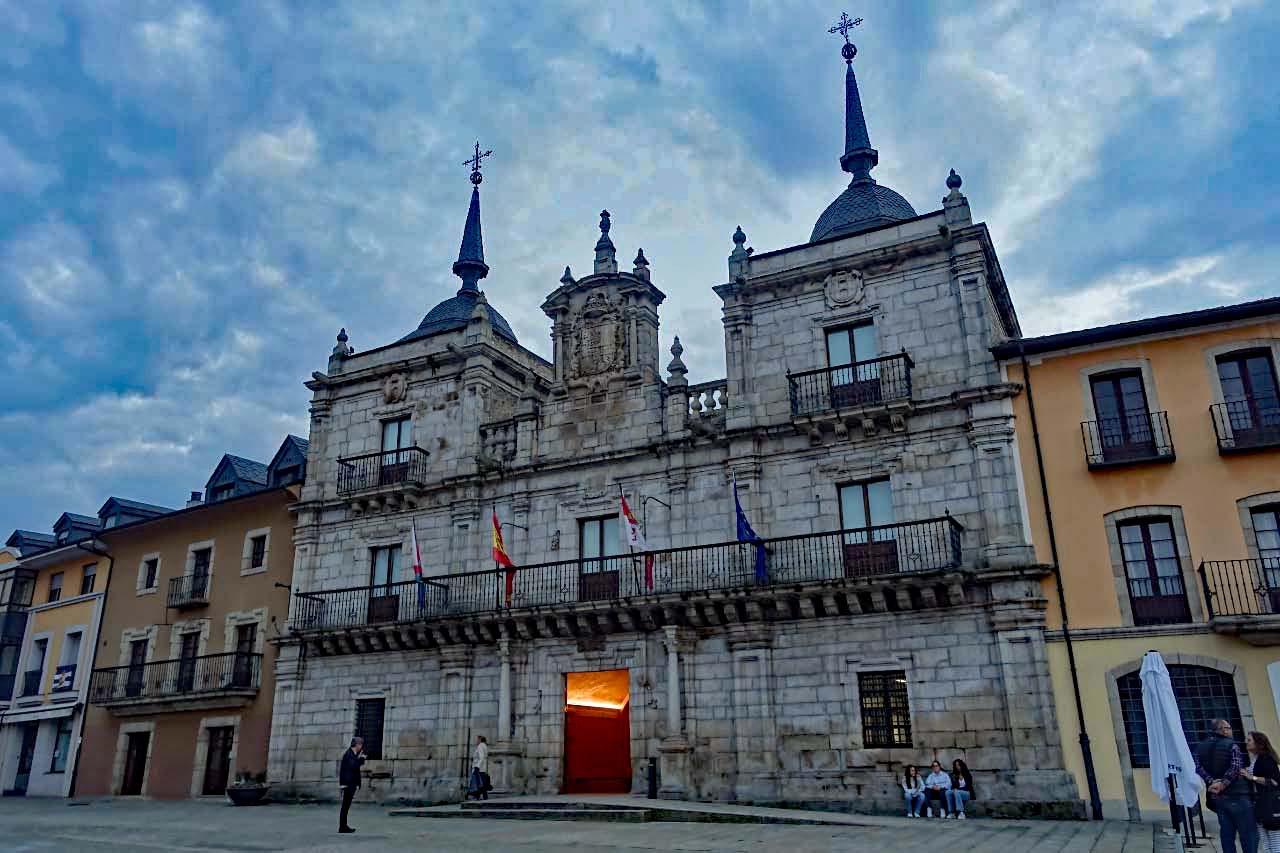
882	605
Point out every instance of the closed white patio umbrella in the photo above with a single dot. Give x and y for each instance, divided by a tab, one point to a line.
1167	745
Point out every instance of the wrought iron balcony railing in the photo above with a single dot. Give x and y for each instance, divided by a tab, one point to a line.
234	672
383	468
1241	587
1136	437
863	383
31	682
188	591
1247	424
894	549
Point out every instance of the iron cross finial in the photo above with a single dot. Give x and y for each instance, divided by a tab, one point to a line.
848	51
474	162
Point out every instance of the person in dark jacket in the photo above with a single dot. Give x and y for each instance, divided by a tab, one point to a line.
349	779
1220	762
961	789
1264	773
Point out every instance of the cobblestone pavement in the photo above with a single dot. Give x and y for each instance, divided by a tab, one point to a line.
114	826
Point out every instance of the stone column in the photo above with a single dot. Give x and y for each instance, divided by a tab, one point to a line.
505	754
503	734
991	435
673	752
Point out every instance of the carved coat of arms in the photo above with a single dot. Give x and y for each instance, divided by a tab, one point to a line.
597	337
844	288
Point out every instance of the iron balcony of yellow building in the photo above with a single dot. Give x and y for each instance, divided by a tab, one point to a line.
1243	598
183	684
1249	423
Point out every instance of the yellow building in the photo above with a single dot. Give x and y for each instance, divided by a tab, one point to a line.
50	609
1151	460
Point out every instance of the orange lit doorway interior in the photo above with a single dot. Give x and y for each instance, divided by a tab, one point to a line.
597	732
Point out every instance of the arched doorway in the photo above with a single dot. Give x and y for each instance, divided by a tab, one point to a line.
597	732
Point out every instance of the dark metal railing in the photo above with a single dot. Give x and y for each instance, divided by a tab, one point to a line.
383	468
1136	437
31	682
1241	587
1159	601
1247	424
169	679
188	591
892	549
863	383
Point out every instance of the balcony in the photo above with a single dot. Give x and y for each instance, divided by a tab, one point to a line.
868	387
1249	424
184	684
890	568
1243	598
1129	440
390	471
31	683
189	592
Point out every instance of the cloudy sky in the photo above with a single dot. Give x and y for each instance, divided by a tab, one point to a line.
197	195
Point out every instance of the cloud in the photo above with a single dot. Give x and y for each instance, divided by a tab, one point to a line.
21	175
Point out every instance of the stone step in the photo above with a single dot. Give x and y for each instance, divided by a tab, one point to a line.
552	804
614	812
608	815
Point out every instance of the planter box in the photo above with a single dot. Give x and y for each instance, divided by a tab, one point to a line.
248	796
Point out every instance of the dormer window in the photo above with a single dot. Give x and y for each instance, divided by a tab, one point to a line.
221	493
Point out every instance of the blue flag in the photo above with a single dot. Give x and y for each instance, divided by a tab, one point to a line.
748	534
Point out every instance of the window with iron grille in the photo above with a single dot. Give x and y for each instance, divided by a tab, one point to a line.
1202	694
886	713
369	713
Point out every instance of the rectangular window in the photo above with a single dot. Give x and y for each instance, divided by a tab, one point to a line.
382	566
851	345
200	560
61	746
394	466
55	587
369	715
221	493
71	649
395	434
870	542
87	578
1153	572
599	539
1250	396
257	552
855	374
1124	421
886	713
149	570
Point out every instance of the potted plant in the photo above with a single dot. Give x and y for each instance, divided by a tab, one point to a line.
249	789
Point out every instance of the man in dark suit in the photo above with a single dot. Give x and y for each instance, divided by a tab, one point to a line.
349	779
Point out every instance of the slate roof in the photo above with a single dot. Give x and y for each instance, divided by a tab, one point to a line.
864	204
454	313
247	469
76	518
31	537
137	506
299	442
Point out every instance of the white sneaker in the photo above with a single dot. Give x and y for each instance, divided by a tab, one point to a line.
929	812
946	817
960	816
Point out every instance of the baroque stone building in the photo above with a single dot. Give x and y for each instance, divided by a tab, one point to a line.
890	613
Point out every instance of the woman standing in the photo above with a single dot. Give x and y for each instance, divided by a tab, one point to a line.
480	770
1264	773
961	788
913	790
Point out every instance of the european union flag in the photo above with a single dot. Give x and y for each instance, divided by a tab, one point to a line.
747	534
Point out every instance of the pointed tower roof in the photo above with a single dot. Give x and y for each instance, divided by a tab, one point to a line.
454	313
864	204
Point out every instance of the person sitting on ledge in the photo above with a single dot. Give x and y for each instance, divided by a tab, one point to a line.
936	786
913	790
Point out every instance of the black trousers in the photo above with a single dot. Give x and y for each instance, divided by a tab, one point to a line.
347	793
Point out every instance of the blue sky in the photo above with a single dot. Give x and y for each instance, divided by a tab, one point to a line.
196	196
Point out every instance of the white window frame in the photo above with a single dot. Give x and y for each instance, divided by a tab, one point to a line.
189	566
246	556
139	584
201	758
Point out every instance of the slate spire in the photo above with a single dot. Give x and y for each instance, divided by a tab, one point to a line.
470	266
859	157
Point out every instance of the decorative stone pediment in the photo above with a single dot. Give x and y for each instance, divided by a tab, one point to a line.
599	338
844	288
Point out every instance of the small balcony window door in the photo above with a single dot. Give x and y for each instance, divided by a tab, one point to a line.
1250	392
1124	421
599	539
395	438
200	572
1154	572
137	668
1266	530
855	376
87	578
866	516
187	661
242	674
384	603
55	587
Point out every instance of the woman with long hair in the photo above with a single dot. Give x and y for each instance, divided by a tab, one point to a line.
961	788
1264	773
913	790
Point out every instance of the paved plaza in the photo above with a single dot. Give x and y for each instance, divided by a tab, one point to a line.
111	826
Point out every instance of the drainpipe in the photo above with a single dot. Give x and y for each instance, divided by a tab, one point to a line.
93	660
1086	751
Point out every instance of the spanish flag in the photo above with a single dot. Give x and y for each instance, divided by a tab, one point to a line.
500	557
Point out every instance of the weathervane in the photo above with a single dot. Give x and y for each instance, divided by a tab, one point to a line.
474	163
849	51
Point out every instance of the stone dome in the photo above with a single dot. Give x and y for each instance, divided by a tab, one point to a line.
454	313
864	204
